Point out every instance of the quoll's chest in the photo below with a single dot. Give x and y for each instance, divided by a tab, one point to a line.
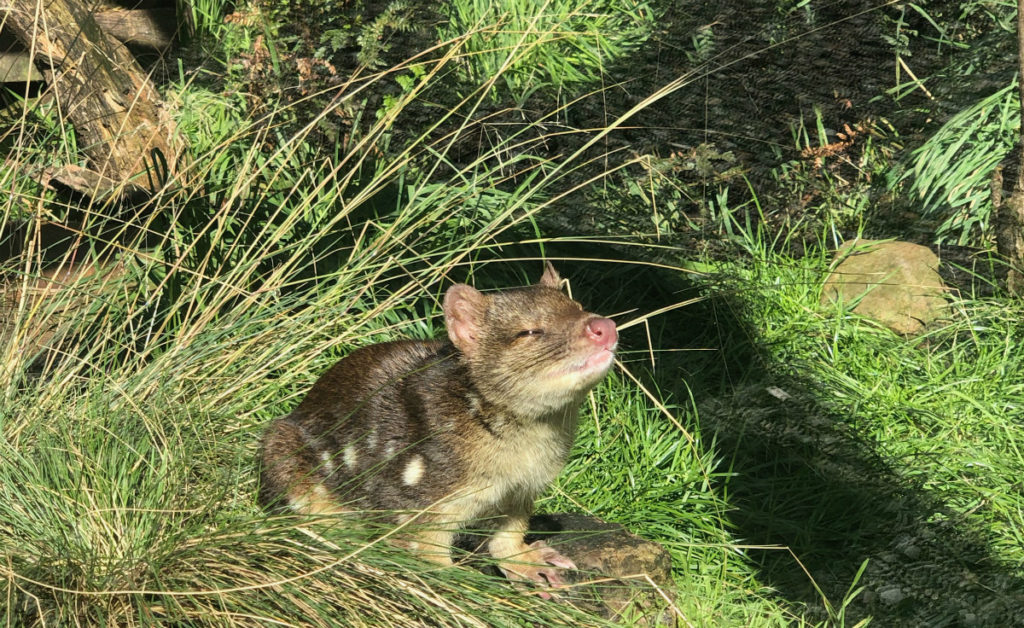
523	463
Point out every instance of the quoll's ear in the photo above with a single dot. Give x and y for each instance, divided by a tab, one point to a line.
550	278
464	308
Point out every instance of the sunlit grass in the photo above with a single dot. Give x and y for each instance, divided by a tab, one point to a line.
133	401
904	451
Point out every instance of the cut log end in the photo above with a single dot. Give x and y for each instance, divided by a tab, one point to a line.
92	184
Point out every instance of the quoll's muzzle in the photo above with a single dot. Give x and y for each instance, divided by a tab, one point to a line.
602	332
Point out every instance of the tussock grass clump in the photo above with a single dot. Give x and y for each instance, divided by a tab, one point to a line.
129	437
125	511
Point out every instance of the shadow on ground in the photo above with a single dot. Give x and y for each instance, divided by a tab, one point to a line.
804	481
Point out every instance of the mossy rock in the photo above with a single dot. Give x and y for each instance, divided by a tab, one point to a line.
894	283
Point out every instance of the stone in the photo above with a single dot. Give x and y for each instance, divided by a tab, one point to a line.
621	575
891	595
894	283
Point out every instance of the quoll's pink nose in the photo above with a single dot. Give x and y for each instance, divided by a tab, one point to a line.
602	332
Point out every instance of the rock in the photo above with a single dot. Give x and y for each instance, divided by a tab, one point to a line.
894	283
891	595
639	570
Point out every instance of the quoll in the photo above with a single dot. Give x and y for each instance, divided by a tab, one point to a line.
452	432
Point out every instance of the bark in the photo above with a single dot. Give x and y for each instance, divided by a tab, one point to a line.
121	125
16	67
1009	214
150	28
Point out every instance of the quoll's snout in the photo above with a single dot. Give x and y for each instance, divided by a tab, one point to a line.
602	333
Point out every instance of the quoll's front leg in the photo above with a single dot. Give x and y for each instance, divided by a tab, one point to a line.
536	562
433	541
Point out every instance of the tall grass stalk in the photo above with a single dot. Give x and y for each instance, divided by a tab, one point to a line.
134	399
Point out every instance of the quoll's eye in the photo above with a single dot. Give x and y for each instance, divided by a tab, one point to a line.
529	332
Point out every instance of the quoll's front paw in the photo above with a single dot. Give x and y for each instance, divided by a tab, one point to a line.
538	563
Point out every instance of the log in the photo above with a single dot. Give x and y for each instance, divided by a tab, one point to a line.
40	311
16	67
50	275
122	127
1013	210
150	28
154	29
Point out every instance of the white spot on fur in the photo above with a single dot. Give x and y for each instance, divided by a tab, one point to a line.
413	471
389	450
328	464
350	456
371	440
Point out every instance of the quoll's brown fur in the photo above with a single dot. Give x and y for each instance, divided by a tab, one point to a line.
460	430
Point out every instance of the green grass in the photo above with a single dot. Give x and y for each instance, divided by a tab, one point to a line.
549	46
904	453
638	465
772	445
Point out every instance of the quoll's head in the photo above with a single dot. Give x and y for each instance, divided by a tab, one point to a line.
531	347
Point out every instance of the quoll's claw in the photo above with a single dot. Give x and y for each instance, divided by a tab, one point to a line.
552	556
543	576
529	567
